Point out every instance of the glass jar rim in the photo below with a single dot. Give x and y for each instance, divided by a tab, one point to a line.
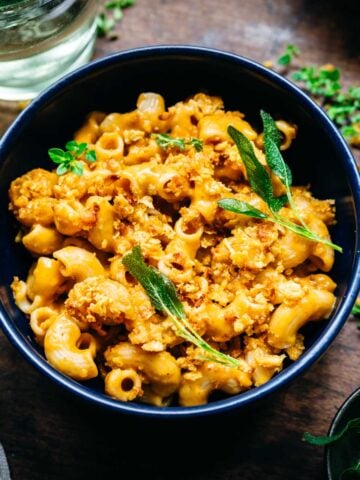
6	4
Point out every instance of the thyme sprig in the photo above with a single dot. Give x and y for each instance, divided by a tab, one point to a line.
260	182
165	141
162	294
68	159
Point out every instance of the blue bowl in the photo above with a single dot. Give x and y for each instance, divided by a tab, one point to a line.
319	157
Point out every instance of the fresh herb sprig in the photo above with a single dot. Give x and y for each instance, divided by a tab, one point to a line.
288	55
112	14
162	294
68	159
323	83
165	141
323	440
260	182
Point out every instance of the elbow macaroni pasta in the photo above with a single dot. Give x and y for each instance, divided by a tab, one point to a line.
248	286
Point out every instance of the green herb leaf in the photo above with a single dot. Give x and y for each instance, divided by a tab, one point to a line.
276	163
57	155
270	129
354	470
197	144
348	131
90	156
260	180
304	232
272	141
62	168
104	25
72	146
258	177
162	294
77	168
353	424
68	159
356	310
161	291
319	81
106	20
166	141
118	14
290	52
119	4
278	202
238	206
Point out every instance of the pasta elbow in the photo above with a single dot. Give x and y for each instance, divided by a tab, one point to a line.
287	320
69	351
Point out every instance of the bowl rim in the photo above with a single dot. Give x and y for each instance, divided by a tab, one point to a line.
354	396
332	328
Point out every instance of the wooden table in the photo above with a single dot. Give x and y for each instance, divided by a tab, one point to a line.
49	435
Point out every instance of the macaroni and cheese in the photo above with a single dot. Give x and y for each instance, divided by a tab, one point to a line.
247	285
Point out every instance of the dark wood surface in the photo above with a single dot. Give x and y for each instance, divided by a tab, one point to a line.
49	435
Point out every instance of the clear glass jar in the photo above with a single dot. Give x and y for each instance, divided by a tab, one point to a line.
40	41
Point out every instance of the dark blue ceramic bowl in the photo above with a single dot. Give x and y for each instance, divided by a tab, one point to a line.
319	157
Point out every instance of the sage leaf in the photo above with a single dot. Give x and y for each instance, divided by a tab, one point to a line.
238	206
258	177
163	296
160	289
353	424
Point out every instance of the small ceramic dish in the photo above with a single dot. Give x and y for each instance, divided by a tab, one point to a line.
345	452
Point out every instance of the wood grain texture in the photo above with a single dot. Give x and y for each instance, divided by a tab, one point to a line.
48	435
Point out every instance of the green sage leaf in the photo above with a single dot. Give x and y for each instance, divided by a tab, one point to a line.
272	141
160	289
258	177
353	424
238	206
163	296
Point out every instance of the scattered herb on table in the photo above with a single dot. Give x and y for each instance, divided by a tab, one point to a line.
319	81
356	312
165	141
163	296
260	182
288	55
68	159
324	85
110	16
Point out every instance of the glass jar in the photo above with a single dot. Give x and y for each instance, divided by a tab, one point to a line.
40	41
